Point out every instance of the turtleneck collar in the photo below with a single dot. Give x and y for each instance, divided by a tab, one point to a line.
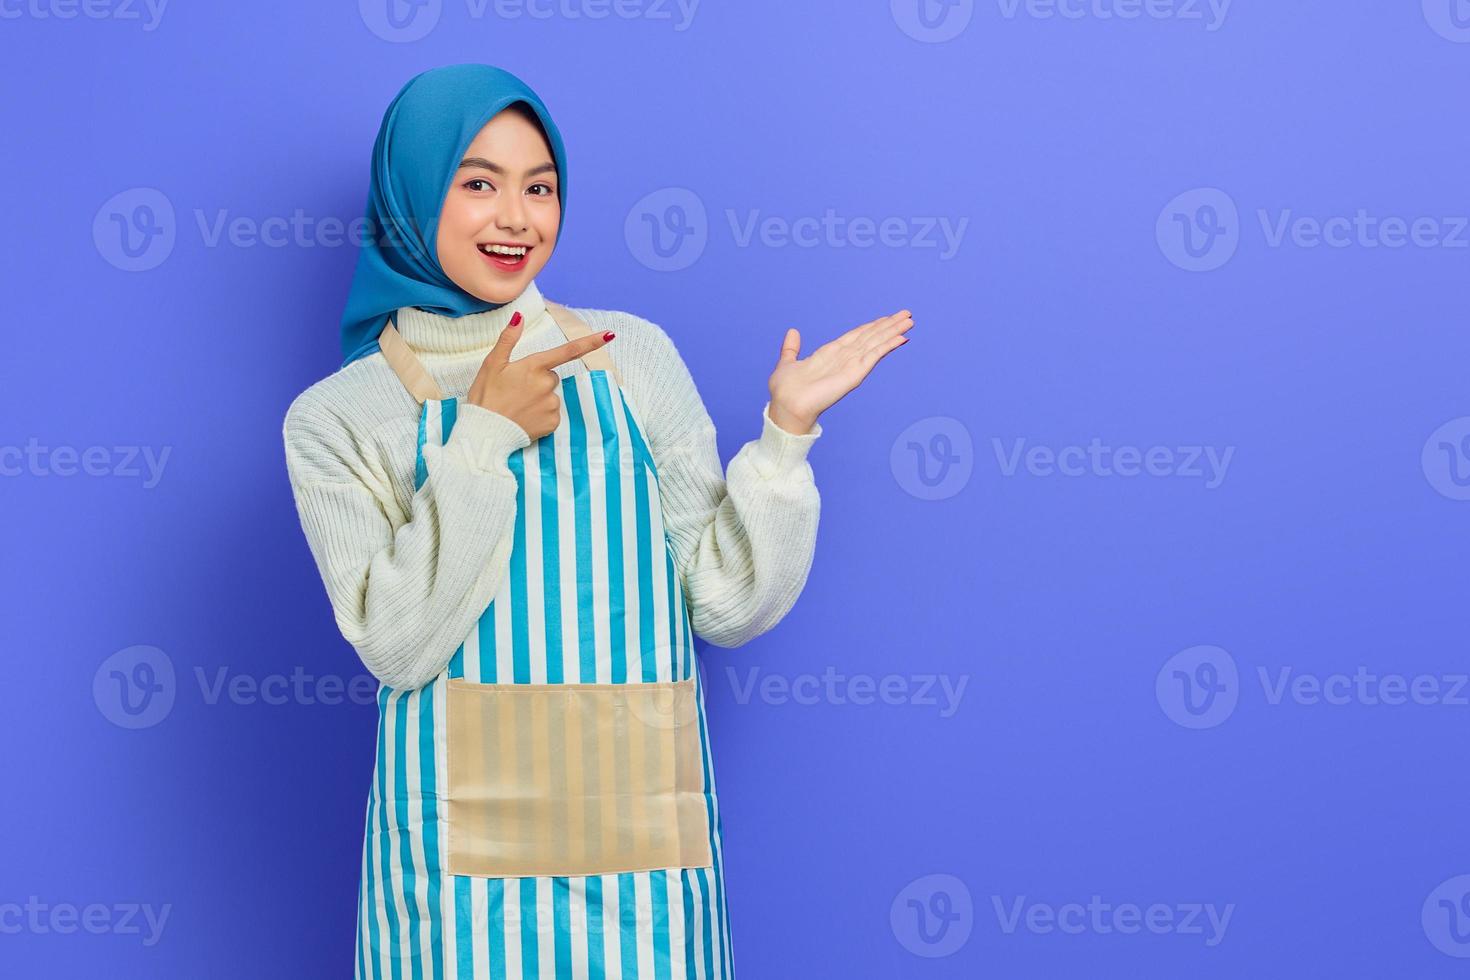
436	334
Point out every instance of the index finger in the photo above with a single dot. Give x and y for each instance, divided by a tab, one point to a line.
569	351
878	328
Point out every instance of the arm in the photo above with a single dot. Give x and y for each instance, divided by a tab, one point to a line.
743	545
405	598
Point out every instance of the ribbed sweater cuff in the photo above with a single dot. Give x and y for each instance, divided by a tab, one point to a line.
485	439
777	451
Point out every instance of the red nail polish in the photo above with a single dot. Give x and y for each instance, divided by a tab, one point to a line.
609	335
515	319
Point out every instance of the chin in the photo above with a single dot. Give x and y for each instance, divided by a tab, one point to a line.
498	291
486	285
502	292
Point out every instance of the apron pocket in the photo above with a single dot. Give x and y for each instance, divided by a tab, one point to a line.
574	779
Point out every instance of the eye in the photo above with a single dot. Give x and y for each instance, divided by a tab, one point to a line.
545	187
477	180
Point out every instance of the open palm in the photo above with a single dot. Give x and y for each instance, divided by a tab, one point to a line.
802	389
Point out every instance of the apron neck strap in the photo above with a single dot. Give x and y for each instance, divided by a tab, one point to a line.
422	386
574	328
406	364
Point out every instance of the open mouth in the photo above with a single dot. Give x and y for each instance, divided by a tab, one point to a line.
507	257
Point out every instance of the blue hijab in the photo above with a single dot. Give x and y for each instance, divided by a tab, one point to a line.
423	137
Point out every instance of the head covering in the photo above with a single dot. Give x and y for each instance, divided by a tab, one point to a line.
423	137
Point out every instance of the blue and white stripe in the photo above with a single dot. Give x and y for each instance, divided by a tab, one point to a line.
591	596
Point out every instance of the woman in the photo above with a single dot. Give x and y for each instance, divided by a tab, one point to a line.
520	548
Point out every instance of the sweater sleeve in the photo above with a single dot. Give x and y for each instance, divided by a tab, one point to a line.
406	597
743	541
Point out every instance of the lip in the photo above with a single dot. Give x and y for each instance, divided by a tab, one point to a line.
500	263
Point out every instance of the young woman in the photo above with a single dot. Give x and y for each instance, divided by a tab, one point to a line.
521	523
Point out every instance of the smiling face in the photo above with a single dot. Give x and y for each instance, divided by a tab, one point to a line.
503	199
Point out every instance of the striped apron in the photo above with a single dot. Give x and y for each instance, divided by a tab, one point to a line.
591	599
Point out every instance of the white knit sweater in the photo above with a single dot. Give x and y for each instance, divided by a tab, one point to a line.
409	572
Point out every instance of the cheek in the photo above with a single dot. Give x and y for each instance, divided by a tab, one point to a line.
454	258
456	235
549	223
456	221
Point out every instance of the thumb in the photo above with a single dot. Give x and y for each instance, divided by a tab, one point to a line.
791	346
499	355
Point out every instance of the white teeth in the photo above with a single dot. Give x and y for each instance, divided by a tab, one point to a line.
515	250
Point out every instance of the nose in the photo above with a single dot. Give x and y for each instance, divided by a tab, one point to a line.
511	215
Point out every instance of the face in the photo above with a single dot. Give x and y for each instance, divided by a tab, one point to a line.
503	194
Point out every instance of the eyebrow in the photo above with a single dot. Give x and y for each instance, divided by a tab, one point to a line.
483	164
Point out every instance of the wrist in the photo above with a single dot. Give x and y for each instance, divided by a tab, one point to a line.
793	423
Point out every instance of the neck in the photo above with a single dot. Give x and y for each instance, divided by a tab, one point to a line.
434	333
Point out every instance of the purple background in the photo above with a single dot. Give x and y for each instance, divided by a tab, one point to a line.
1064	316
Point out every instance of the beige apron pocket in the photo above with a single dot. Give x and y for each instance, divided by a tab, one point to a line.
574	779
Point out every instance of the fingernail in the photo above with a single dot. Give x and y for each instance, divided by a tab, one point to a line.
515	319
609	335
